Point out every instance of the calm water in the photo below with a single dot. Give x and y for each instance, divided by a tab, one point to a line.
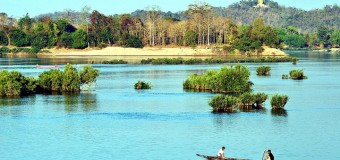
117	122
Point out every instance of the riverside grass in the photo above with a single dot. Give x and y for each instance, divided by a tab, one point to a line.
180	60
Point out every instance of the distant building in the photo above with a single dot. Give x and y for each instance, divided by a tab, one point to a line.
260	4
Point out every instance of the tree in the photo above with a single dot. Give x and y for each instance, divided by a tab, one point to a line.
335	38
7	25
153	14
26	23
71	80
19	38
323	35
85	20
190	38
79	39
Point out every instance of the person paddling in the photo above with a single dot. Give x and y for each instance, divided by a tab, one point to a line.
270	155
220	153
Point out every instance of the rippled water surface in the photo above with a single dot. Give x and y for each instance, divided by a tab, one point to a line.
117	122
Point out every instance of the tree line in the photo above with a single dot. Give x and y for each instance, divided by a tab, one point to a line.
201	25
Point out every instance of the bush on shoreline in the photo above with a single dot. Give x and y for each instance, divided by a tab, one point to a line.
180	60
115	61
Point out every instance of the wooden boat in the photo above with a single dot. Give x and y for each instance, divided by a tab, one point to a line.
216	158
47	67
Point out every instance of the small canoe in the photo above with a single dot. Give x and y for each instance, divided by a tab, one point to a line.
47	67
216	158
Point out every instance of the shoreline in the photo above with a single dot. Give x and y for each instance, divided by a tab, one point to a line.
151	51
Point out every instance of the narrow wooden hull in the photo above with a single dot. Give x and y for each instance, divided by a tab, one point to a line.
47	67
216	158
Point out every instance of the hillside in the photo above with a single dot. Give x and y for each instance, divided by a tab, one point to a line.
243	12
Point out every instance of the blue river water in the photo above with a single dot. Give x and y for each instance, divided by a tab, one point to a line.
114	121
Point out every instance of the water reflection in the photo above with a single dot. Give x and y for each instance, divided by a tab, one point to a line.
85	101
12	105
279	112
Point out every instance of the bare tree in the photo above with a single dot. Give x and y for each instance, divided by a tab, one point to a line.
153	16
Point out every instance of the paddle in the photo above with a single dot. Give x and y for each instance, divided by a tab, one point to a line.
263	154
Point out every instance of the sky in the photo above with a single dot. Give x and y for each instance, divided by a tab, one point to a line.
19	8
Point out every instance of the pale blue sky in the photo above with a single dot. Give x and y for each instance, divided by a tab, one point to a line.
18	8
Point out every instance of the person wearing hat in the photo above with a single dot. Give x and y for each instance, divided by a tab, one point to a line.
220	153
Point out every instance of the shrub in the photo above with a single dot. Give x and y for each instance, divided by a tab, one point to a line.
278	101
263	70
88	75
297	74
221	103
294	60
71	80
115	61
142	85
134	41
227	80
14	84
260	98
247	99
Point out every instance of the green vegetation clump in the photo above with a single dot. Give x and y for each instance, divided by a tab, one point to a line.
294	60
4	50
260	98
15	84
297	74
278	101
180	60
142	85
263	70
222	103
247	99
115	61
226	80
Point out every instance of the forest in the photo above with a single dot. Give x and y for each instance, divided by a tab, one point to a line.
238	27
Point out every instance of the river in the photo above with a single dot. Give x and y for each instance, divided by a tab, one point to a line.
115	121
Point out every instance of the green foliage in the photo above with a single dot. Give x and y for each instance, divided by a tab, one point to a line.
323	35
68	81
222	103
247	99
14	84
19	38
40	40
295	40
5	50
263	70
71	80
79	39
190	39
260	98
64	25
115	61
134	41
3	38
297	74
334	39
278	101
142	85
294	60
88	75
66	40
180	60
228	79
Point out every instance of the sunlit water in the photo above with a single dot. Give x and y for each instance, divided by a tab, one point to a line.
117	122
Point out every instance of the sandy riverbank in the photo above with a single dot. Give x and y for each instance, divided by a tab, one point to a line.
148	51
